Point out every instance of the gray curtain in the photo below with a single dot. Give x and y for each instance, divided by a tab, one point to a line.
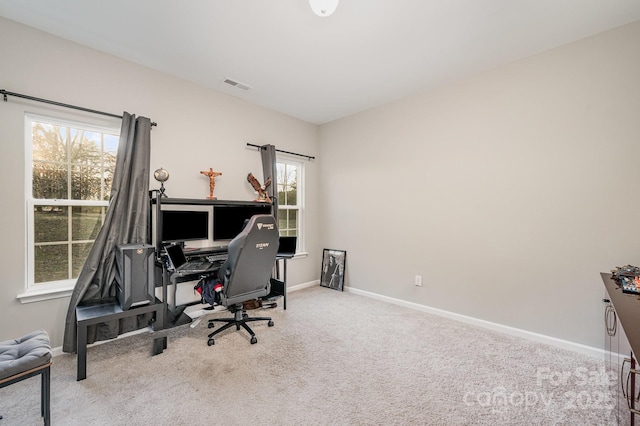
269	170
126	221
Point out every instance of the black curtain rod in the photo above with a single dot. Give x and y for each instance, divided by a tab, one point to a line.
46	101
285	152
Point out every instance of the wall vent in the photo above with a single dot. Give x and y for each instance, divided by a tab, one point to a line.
237	84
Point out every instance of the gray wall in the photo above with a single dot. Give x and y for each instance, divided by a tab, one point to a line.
509	192
197	129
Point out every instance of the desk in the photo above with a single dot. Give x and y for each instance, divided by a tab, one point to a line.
174	315
95	314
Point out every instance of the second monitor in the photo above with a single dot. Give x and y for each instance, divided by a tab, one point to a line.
229	219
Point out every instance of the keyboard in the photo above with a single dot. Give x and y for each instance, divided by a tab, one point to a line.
197	264
194	266
218	257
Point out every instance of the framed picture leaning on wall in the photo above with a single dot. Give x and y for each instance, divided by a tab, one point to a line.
332	273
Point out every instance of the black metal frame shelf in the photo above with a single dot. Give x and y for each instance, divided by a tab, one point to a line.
175	316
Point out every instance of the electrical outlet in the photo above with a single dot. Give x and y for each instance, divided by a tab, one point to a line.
418	280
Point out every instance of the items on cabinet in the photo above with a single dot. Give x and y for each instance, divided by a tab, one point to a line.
628	278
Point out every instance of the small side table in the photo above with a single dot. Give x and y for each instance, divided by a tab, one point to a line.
95	314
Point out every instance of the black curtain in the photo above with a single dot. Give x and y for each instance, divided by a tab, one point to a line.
269	170
126	221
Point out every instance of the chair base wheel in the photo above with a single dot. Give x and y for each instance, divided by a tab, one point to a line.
210	325
211	342
254	340
270	323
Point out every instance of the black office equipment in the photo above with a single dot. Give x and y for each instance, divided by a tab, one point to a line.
246	273
287	247
228	219
174	314
184	225
178	261
135	274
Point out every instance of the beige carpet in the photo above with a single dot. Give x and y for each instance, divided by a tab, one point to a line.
332	358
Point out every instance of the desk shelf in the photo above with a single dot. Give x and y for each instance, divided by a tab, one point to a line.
205	202
174	315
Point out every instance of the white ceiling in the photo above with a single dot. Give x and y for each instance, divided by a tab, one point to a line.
369	52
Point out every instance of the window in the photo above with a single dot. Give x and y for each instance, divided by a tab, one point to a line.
290	197
69	174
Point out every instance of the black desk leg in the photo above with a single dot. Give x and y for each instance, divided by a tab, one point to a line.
284	278
159	345
82	352
284	296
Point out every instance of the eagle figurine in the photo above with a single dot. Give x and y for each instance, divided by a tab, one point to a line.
262	190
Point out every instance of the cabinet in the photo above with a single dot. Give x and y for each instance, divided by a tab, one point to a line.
622	341
617	364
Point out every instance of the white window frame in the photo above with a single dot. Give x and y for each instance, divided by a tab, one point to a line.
35	292
300	206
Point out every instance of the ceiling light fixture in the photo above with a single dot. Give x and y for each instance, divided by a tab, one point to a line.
323	7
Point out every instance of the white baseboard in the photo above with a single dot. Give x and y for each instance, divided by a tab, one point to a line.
303	285
564	344
58	349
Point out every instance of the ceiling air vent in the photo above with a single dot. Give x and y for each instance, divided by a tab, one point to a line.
237	84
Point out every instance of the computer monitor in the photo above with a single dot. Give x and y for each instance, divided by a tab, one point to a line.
228	220
184	225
